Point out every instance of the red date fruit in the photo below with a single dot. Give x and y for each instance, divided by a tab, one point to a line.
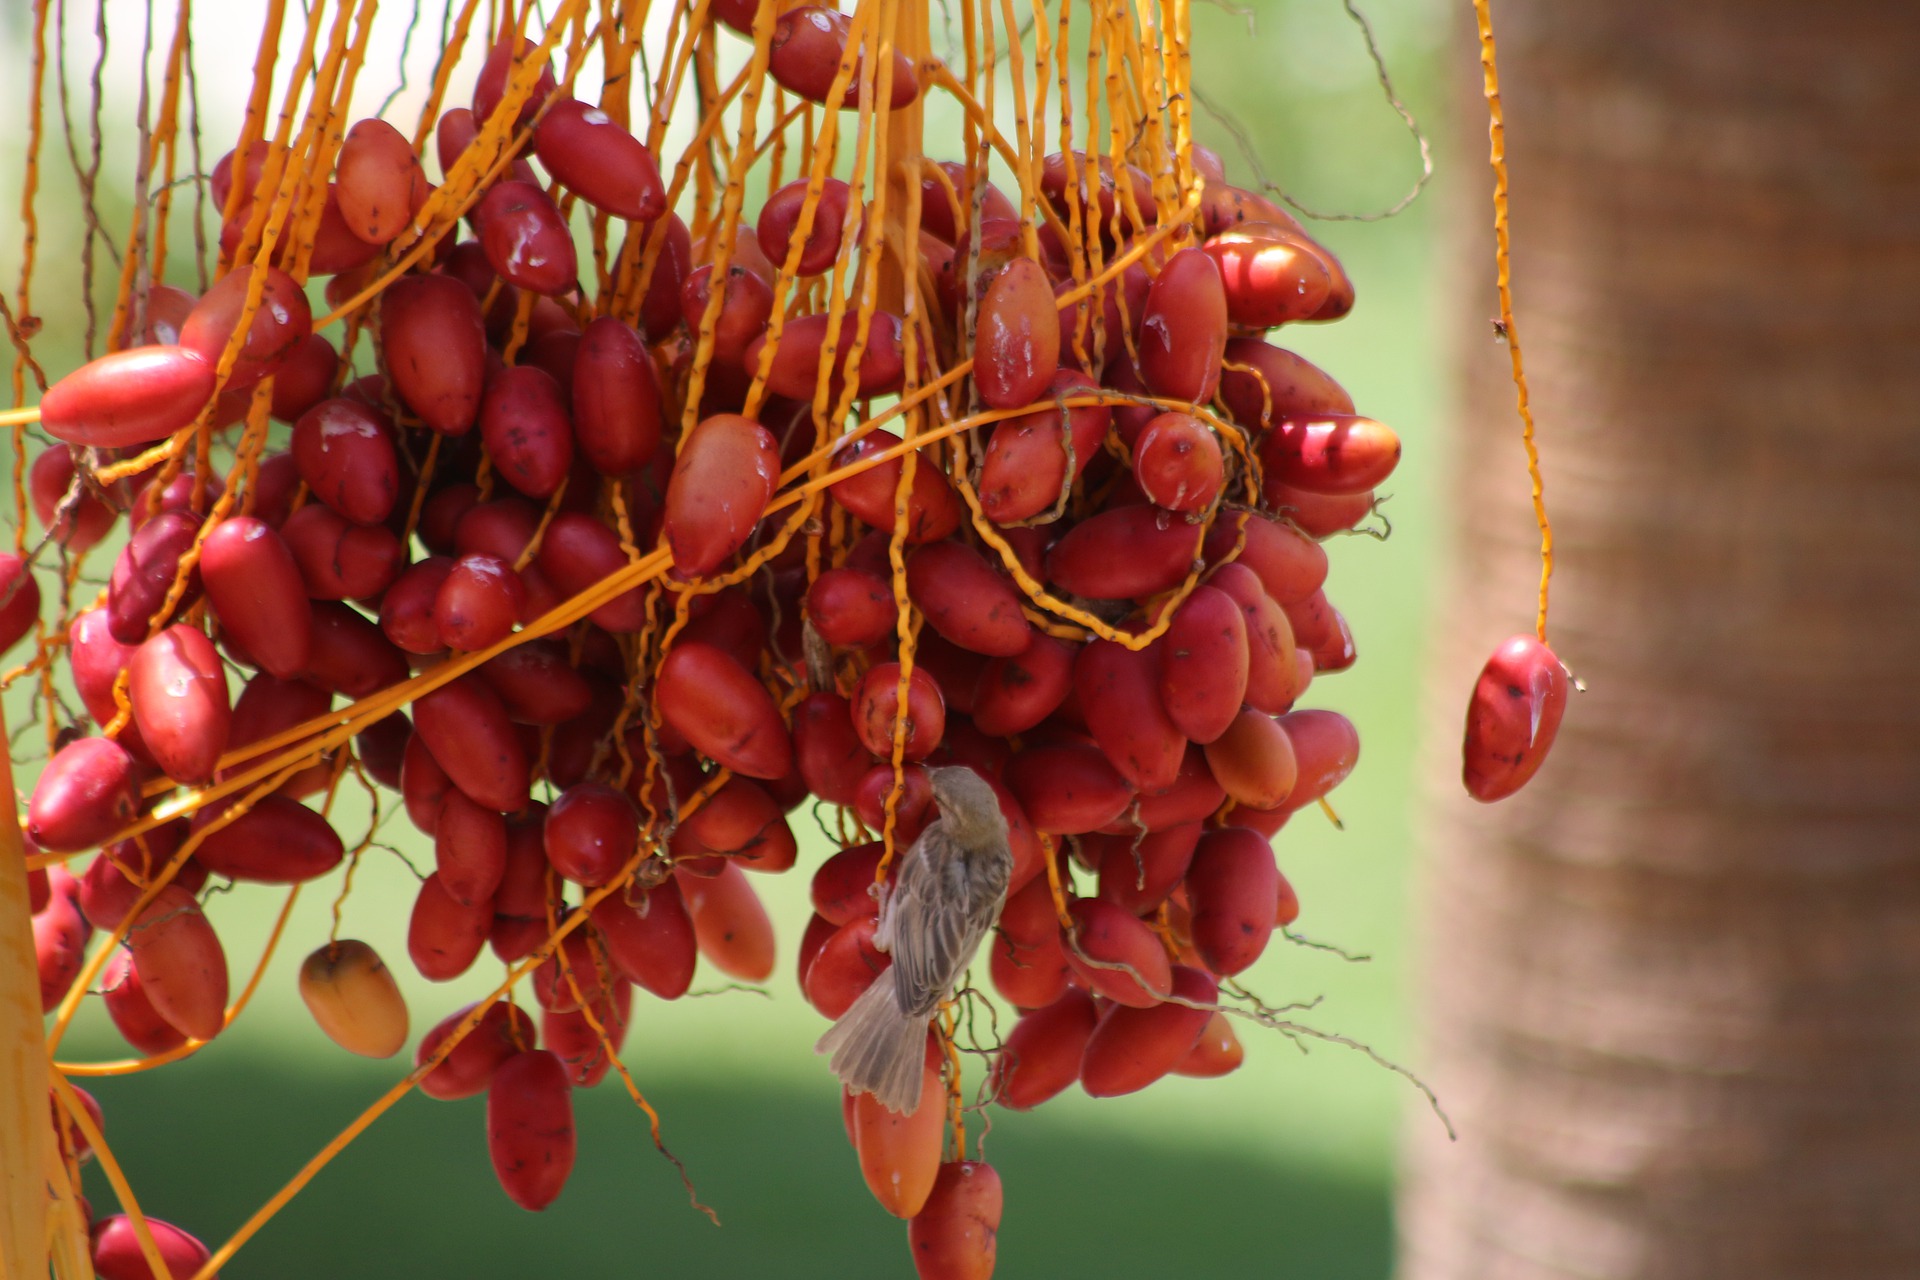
1124	553
340	560
1137	872
724	711
722	481
1274	383
85	794
1131	1048
1016	343
406	608
808	43
304	380
134	1016
87	521
128	398
117	1254
729	922
570	976
746	302
254	585
1026	461
616	397
793	370
60	935
851	607
1177	463
1117	955
1029	977
538	685
1254	761
1273	677
967	601
590	832
842	888
1318	515
1068	788
1290	566
523	422
469	850
1231	888
344	450
577	553
444	937
742	821
955	1235
779	224
827	748
269	706
280	323
845	966
589	153
1217	1053
337	251
277	841
946	216
912	811
144	573
502	65
660	309
900	1154
1270	278
1119	693
468	1068
348	655
877	705
375	174
1183	329
1041	1057
581	1048
530	1135
19	600
1333	453
650	938
1070	179
435	345
1193	796
934	509
1326	746
1203	664
1014	694
465	726
1515	713
177	688
477	603
525	239
183	969
97	659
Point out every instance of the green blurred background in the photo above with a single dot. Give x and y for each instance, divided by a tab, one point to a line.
1283	1169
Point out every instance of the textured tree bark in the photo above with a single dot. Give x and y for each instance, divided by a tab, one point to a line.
1672	990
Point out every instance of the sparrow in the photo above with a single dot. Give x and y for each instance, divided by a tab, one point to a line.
951	887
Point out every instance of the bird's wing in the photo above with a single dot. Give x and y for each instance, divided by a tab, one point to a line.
934	931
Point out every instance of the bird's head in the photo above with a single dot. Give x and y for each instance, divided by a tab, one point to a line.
968	805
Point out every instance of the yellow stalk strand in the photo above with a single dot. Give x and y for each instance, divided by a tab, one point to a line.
1503	274
76	1111
25	1129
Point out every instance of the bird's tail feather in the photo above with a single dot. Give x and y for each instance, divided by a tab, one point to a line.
878	1049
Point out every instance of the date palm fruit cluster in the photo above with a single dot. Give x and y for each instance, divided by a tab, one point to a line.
633	508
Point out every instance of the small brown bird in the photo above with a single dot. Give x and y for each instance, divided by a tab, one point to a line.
952	884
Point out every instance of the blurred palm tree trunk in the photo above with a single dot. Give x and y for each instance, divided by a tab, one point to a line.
1672	991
